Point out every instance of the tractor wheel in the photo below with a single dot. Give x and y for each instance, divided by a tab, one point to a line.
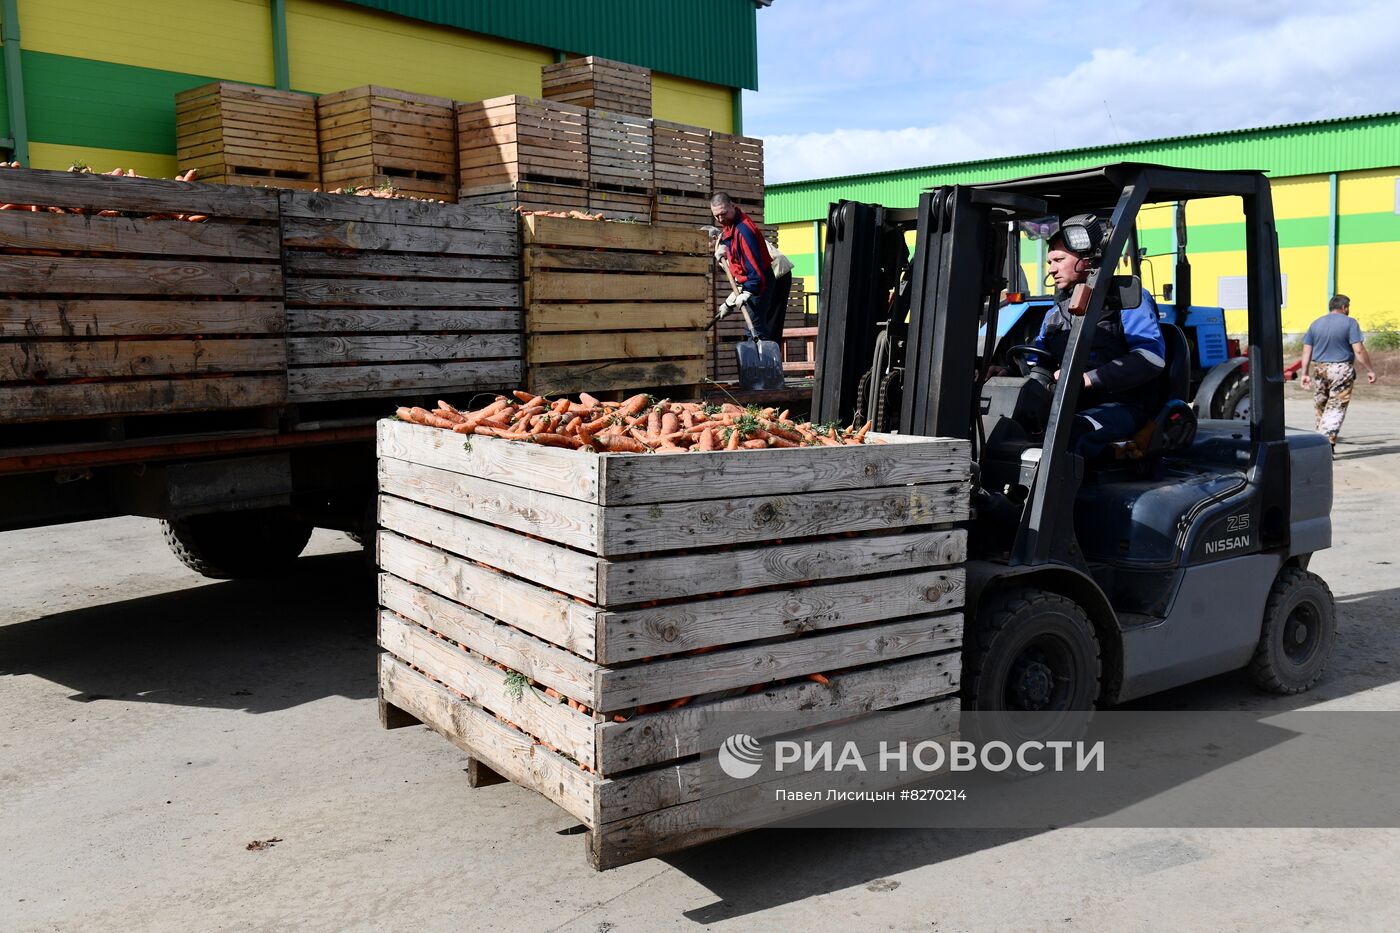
230	545
1232	399
1031	670
1300	628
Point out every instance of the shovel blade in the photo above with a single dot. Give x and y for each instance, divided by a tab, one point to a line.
760	365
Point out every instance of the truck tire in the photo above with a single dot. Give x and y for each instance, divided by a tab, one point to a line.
1300	628
1231	401
230	545
1031	669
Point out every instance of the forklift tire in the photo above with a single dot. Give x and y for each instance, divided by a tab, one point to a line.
1232	400
232	545
1031	671
1300	628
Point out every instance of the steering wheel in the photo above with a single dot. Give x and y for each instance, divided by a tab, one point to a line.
1017	354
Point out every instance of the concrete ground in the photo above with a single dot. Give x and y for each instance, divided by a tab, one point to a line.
156	723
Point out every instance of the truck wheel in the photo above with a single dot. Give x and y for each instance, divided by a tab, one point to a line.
1232	400
1300	628
229	545
1031	668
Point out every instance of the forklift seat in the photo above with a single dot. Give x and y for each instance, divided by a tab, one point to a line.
1174	425
1175	379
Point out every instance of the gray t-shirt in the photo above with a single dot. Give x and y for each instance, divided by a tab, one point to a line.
1331	337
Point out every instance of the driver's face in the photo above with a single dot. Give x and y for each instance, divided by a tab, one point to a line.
1065	267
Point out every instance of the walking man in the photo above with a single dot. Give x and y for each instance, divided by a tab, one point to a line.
1330	347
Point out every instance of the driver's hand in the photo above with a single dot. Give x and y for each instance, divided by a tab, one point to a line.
1057	375
995	370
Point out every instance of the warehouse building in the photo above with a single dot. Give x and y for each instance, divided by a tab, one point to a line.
96	82
1336	186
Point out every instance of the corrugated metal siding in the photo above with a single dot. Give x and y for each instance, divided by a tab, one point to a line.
1348	144
680	37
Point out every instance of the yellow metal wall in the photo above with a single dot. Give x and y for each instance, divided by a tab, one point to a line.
681	100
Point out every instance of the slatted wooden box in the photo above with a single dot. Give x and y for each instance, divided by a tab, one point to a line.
372	136
681	159
598	82
595	577
683	210
736	164
393	297
129	315
527	196
237	134
613	305
509	140
620	165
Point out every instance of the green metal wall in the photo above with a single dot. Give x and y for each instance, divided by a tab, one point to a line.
709	40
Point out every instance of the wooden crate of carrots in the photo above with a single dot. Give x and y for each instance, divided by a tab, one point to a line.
586	620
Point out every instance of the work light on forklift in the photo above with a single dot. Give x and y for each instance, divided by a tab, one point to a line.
1085	233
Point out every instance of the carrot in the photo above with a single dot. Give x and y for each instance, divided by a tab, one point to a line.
670	449
585	436
588	400
552	693
677	704
522	395
404	414
860	435
617	444
670	423
558	440
633	405
654	423
733	443
754	444
820	678
783	416
707	440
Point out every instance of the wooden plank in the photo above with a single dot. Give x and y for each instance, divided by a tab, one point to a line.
508	751
643	529
664	736
144	195
556	618
741	666
486	685
674	628
94	399
304	351
659	788
616	315
602	286
558	231
50	275
536	659
554	470
353	320
582	377
337	207
635	581
26	230
73	359
330	382
778	471
619	345
539	258
137	318
342	233
544	564
369	262
552	517
372	292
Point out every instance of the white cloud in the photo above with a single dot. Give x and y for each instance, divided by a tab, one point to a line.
1197	68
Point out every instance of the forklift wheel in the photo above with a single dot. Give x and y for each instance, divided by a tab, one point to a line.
1032	670
1300	627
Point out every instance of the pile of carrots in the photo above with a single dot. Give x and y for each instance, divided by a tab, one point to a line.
638	425
81	169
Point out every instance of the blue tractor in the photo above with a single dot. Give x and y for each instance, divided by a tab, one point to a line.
1219	371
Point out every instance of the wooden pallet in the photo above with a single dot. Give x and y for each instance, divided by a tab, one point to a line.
681	161
509	140
510	568
613	305
598	82
372	136
392	297
127	315
237	134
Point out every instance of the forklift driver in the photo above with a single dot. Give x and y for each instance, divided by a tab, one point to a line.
1127	355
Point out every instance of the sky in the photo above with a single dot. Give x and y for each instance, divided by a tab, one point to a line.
849	86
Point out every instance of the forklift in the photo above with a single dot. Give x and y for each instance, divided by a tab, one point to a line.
1176	555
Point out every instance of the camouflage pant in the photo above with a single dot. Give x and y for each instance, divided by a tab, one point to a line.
1332	384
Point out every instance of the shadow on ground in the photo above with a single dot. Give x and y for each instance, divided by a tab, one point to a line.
255	645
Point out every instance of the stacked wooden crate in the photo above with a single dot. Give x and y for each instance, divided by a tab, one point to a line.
517	577
140	312
516	152
237	134
620	165
386	297
736	164
613	305
598	83
373	136
681	174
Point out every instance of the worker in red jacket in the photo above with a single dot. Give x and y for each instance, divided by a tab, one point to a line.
749	262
